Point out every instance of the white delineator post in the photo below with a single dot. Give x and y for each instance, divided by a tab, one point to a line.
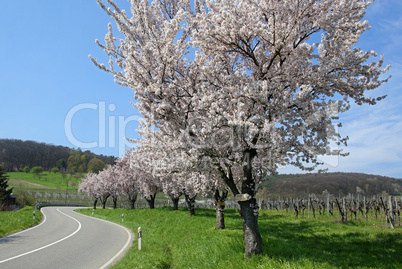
34	215
139	238
122	217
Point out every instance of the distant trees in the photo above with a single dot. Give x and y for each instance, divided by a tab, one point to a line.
54	170
5	191
299	185
95	165
37	170
61	165
77	161
17	154
26	169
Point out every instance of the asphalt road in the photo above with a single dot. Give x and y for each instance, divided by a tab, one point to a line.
65	239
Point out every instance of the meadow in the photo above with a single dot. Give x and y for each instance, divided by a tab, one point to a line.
47	180
171	239
12	221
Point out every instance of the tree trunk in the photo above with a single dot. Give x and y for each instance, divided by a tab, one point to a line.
151	201
104	200
190	204
251	234
114	202
220	209
132	199
95	202
175	201
249	208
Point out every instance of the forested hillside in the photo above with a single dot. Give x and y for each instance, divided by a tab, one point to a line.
342	184
17	154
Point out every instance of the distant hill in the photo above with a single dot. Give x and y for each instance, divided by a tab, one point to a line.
16	154
300	185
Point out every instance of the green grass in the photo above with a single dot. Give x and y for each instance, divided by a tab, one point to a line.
12	221
47	180
170	239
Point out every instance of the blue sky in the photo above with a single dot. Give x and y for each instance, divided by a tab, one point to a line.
51	92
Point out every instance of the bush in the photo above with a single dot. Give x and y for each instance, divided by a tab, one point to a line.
37	170
55	170
24	199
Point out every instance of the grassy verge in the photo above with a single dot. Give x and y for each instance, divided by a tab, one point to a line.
12	221
46	180
173	240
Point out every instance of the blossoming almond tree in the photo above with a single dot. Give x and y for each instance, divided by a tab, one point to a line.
148	183
129	179
179	172
263	87
87	185
112	182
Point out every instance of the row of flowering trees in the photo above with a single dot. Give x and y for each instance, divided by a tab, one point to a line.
237	88
142	172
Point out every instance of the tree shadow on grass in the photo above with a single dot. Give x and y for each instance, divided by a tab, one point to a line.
335	246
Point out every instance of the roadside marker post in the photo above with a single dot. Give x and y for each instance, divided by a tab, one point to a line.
122	217
34	215
139	238
93	211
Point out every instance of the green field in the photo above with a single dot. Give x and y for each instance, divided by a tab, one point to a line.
48	180
170	239
12	221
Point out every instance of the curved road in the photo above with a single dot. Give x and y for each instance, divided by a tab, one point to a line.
65	239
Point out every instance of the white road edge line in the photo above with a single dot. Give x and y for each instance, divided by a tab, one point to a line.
58	241
123	249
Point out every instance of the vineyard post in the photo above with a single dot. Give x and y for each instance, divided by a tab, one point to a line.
308	206
328	205
364	204
391	212
373	199
287	201
399	215
396	210
345	212
293	206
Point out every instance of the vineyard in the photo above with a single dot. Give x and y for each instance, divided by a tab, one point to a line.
345	209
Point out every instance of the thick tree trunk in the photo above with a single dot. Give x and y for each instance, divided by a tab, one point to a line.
251	234
249	208
190	204
220	209
114	202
